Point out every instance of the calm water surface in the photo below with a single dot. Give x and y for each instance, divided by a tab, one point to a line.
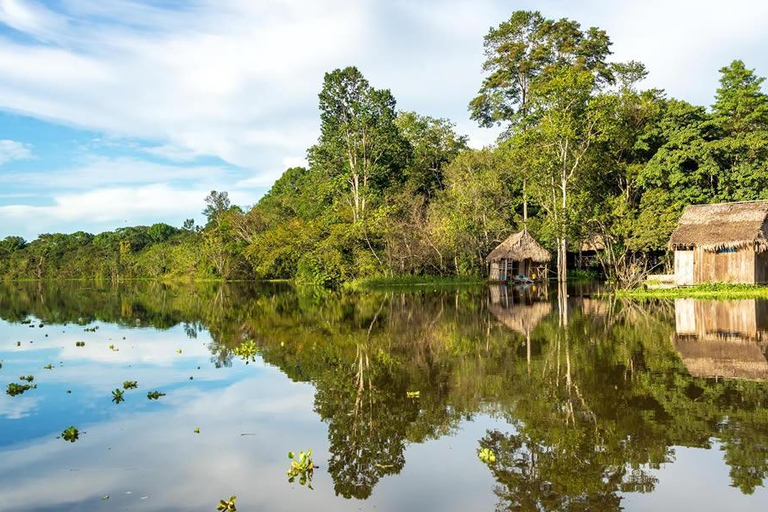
586	405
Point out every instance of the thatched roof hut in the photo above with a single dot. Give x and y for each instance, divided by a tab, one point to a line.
518	255
723	226
724	242
518	247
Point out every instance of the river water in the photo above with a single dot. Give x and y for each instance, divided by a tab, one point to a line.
481	398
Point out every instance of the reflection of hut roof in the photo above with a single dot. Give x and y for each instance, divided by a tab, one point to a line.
723	225
522	318
519	247
594	242
728	358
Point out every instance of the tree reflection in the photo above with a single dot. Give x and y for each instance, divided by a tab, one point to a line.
595	392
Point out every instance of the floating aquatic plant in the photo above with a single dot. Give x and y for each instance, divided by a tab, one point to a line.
80	344
154	395
27	378
48	367
302	466
91	329
247	351
227	505
14	389
117	396
130	384
71	434
486	455
114	348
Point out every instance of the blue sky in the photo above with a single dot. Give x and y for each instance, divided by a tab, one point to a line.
123	112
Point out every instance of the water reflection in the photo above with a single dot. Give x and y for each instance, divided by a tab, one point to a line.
723	339
586	403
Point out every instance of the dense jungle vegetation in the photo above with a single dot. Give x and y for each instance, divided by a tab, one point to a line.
585	151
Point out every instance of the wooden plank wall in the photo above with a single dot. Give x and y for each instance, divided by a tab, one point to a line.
725	267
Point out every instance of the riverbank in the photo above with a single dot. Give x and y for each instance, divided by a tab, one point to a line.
379	283
702	291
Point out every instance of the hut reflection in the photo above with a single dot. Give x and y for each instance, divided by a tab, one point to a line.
521	309
723	339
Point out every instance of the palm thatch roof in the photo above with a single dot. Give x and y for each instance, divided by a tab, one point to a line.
594	242
723	226
518	247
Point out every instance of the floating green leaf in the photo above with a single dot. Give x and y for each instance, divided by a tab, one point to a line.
71	434
486	455
302	466
247	351
227	505
117	396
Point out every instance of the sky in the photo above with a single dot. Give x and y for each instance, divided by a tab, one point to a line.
126	112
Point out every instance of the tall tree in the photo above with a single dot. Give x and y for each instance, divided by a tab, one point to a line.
541	75
360	146
740	105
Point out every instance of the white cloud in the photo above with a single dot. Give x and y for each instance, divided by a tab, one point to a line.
129	205
266	179
13	150
100	171
234	78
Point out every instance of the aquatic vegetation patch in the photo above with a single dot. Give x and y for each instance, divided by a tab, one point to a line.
227	505
247	351
117	396
302	466
14	389
486	455
91	329
80	344
27	378
71	434
130	384
154	395
48	367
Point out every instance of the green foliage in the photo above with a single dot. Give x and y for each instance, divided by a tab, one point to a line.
585	154
302	467
70	434
486	455
247	351
701	291
155	395
14	389
118	396
130	384
227	505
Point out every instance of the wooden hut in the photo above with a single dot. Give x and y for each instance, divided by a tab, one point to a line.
722	243
518	255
